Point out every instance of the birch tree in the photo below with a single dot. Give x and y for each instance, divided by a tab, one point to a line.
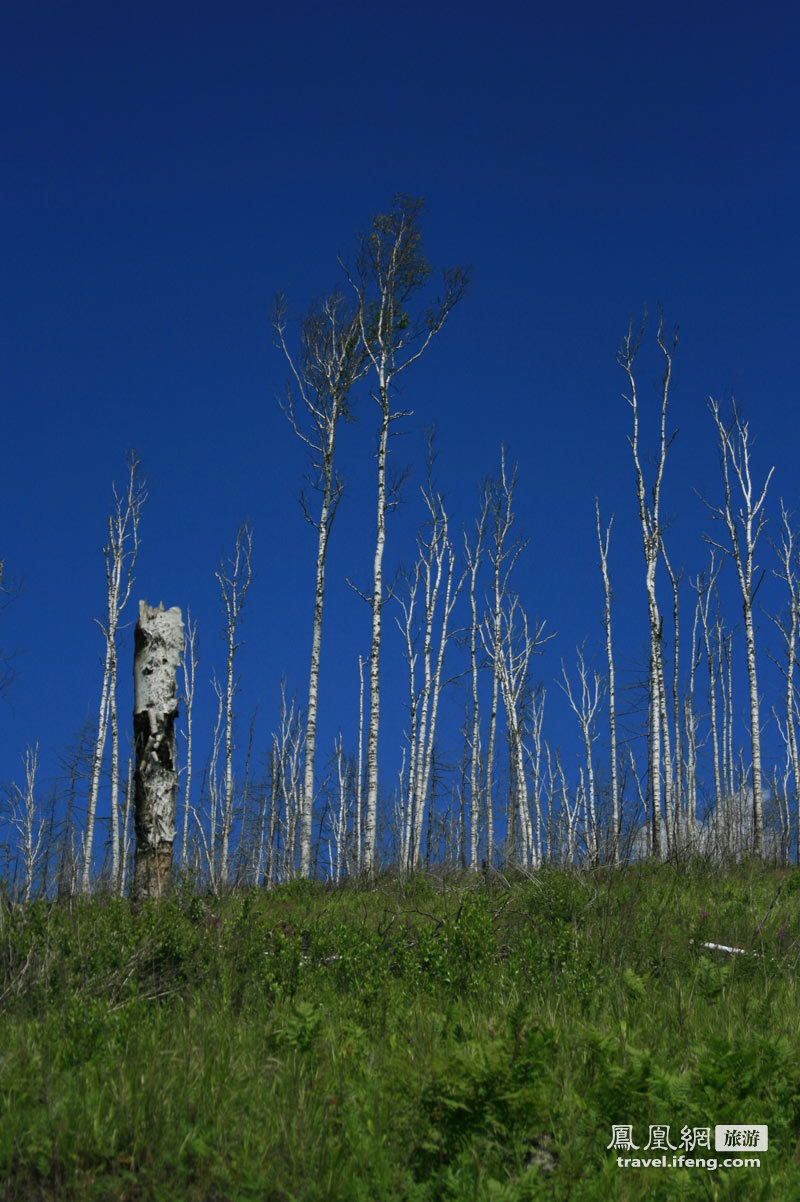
359	841
234	576
213	790
603	541
331	360
503	553
788	558
691	724
396	328
433	577
744	522
188	672
725	673
473	554
120	554
287	743
704	586
27	821
518	642
585	709
650	522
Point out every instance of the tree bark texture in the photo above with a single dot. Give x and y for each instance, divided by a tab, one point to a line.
158	644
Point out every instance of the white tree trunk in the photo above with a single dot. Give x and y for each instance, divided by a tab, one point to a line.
585	711
234	577
120	557
703	587
502	557
313	689
158	644
332	360
359	862
26	820
371	816
116	848
744	526
94	781
603	544
189	667
649	519
473	556
788	575
390	270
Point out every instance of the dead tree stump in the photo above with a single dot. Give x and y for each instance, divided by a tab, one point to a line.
158	643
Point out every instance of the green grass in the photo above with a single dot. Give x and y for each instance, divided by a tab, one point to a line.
428	1040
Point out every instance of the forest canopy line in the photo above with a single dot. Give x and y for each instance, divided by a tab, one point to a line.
481	782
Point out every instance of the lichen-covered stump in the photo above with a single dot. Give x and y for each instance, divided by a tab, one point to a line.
158	643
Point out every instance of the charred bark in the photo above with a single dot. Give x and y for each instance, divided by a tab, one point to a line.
158	644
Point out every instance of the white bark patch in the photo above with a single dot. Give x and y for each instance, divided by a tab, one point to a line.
158	643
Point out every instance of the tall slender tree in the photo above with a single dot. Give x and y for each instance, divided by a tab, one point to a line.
585	709
331	359
603	543
650	522
396	326
474	554
234	576
744	520
788	557
27	821
189	672
704	586
502	552
433	576
120	558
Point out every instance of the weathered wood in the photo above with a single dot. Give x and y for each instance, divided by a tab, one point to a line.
158	644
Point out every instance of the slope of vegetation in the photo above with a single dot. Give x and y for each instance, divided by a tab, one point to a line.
459	1038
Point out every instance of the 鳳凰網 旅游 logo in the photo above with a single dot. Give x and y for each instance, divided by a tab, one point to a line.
691	1147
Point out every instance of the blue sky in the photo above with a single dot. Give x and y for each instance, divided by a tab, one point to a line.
168	168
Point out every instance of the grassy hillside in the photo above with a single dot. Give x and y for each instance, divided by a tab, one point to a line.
433	1039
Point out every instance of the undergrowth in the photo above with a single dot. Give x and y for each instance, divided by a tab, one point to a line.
430	1039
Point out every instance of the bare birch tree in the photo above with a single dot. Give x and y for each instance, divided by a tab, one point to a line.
744	525
332	358
788	558
675	801
27	821
585	709
473	555
691	724
650	521
120	558
288	758
704	586
518	642
603	543
503	554
389	274
125	835
433	571
725	673
359	840
189	672
234	576
534	751
214	791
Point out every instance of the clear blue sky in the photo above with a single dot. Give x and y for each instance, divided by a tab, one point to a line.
167	168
